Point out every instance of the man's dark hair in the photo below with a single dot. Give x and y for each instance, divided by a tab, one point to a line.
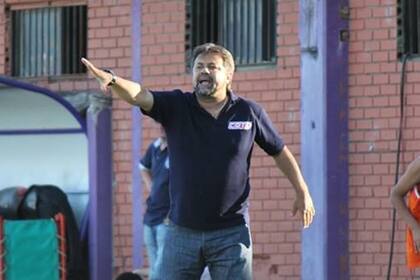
210	48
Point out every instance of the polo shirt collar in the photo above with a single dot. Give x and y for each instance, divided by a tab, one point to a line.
233	98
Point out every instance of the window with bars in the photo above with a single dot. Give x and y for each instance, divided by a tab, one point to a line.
408	27
48	41
246	27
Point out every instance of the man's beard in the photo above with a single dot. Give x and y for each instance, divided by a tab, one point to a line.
205	90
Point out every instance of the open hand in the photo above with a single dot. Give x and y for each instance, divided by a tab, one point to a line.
304	205
101	76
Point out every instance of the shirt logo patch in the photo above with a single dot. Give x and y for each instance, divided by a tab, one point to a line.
239	125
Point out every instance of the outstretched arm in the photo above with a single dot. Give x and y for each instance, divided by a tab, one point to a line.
303	204
129	91
410	178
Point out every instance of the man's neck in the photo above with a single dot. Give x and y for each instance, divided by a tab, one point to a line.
213	104
213	100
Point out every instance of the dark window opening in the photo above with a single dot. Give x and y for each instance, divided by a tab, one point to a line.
408	27
245	27
48	41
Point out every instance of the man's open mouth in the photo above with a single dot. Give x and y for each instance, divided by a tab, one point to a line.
205	80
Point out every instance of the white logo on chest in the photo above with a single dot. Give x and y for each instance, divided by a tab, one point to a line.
239	125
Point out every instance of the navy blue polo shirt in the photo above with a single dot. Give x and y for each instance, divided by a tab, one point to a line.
209	178
156	161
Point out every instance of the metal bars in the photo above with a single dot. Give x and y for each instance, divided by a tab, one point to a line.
48	41
408	27
245	27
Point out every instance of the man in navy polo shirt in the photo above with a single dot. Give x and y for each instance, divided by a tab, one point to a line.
154	167
211	133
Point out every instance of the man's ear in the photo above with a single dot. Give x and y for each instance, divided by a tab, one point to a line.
230	77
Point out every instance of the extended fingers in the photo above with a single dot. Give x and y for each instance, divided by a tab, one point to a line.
98	74
86	62
89	66
308	216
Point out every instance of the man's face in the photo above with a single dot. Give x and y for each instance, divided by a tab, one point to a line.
210	75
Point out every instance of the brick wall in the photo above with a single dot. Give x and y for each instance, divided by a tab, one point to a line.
373	122
276	235
374	103
109	45
374	112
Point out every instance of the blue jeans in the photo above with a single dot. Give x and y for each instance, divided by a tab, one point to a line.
226	252
154	238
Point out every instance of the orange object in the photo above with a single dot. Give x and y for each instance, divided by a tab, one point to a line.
413	256
61	229
1	250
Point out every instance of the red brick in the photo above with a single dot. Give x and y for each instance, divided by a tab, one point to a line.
372	23
381	34
101	12
381	79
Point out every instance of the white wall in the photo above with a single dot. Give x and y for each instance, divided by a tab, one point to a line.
57	159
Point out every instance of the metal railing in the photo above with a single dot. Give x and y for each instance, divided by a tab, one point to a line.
48	41
246	27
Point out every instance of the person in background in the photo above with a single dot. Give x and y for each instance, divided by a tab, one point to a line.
154	168
408	186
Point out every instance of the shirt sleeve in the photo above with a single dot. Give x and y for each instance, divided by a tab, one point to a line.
164	105
146	161
266	135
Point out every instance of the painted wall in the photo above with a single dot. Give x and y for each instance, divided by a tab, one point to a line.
48	152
